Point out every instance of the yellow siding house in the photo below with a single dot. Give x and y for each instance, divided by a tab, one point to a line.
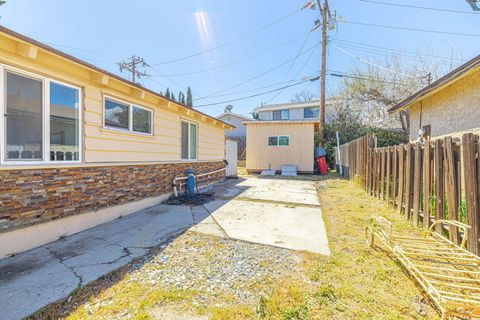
80	146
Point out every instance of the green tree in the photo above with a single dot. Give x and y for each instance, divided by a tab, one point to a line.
2	2
167	93
172	96
189	97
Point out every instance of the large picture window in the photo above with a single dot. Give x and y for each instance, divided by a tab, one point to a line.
42	119
189	140
128	117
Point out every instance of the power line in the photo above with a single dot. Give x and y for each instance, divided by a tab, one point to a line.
239	60
261	74
341	74
401	52
174	82
247	35
366	61
411	29
258	94
419	7
257	88
291	80
298	52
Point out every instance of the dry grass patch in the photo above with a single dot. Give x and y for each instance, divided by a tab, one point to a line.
354	282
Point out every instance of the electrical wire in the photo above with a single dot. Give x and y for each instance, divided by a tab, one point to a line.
298	52
341	74
247	35
295	76
254	95
389	51
411	29
262	73
239	60
419	7
366	61
257	88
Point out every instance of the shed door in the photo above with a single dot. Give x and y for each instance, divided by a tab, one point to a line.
231	157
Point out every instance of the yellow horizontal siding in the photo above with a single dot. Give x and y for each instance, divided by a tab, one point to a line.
103	145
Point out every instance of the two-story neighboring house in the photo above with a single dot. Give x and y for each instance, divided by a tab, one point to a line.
289	111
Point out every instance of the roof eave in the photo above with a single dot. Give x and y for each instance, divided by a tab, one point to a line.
60	54
451	77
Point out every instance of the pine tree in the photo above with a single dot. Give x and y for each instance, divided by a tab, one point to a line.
180	95
173	97
167	93
189	97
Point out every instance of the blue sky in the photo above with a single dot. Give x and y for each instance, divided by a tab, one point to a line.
107	31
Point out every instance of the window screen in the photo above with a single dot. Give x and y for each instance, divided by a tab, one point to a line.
24	125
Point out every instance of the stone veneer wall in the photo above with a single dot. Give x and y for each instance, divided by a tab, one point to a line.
30	196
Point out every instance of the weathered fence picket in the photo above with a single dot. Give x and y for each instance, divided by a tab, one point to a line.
426	181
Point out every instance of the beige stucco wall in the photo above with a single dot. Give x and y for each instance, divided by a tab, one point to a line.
105	145
452	110
300	151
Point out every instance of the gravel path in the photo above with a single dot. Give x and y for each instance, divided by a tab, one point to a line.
217	267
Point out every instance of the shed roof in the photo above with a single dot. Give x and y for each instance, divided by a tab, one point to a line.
454	75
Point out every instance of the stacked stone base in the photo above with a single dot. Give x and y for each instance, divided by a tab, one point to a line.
32	196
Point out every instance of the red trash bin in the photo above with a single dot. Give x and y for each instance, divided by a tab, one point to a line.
322	165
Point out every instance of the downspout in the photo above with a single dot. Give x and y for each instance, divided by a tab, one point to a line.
420	130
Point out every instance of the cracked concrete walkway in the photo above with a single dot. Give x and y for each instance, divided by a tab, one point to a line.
33	279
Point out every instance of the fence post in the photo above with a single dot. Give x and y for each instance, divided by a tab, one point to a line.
427	183
451	184
409	180
388	173
439	182
417	183
401	178
394	176
382	174
470	164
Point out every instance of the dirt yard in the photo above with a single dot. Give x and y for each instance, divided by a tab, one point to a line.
199	276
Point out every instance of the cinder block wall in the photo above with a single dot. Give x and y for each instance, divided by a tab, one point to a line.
32	196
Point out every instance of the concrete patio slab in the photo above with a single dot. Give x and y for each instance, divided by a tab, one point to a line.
297	228
281	190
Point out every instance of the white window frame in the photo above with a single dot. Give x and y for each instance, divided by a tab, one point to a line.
189	141
281	117
45	118
278	141
130	117
313	117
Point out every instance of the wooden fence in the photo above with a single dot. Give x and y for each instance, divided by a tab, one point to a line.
424	180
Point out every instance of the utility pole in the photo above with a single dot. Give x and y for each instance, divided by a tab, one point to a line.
130	65
324	10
